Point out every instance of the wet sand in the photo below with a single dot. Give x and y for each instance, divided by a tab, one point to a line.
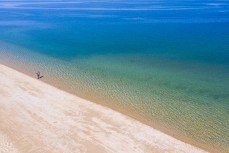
36	117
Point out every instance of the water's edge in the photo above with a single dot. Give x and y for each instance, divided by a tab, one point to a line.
55	76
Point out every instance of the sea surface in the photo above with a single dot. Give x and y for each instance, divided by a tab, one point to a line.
165	63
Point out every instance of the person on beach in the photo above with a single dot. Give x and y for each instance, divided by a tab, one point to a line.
38	75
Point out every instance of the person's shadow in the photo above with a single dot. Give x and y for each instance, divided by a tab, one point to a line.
39	75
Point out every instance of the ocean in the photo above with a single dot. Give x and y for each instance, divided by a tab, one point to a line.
165	63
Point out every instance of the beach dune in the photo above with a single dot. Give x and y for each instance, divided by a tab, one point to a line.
38	118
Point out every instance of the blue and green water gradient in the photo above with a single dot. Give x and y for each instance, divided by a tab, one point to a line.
165	63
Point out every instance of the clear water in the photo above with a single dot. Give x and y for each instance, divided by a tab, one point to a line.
164	61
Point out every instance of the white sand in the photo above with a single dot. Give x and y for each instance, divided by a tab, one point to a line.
38	118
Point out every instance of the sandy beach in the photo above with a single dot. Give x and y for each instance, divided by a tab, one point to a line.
38	118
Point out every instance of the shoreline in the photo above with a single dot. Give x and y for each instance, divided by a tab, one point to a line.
70	115
94	99
104	101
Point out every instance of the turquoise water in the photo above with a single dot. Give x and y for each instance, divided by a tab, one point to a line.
165	62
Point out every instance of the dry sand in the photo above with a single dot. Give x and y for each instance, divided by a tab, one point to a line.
38	118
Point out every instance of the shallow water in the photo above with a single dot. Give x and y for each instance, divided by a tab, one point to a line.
166	62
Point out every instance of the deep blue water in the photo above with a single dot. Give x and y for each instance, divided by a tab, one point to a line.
167	61
195	30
